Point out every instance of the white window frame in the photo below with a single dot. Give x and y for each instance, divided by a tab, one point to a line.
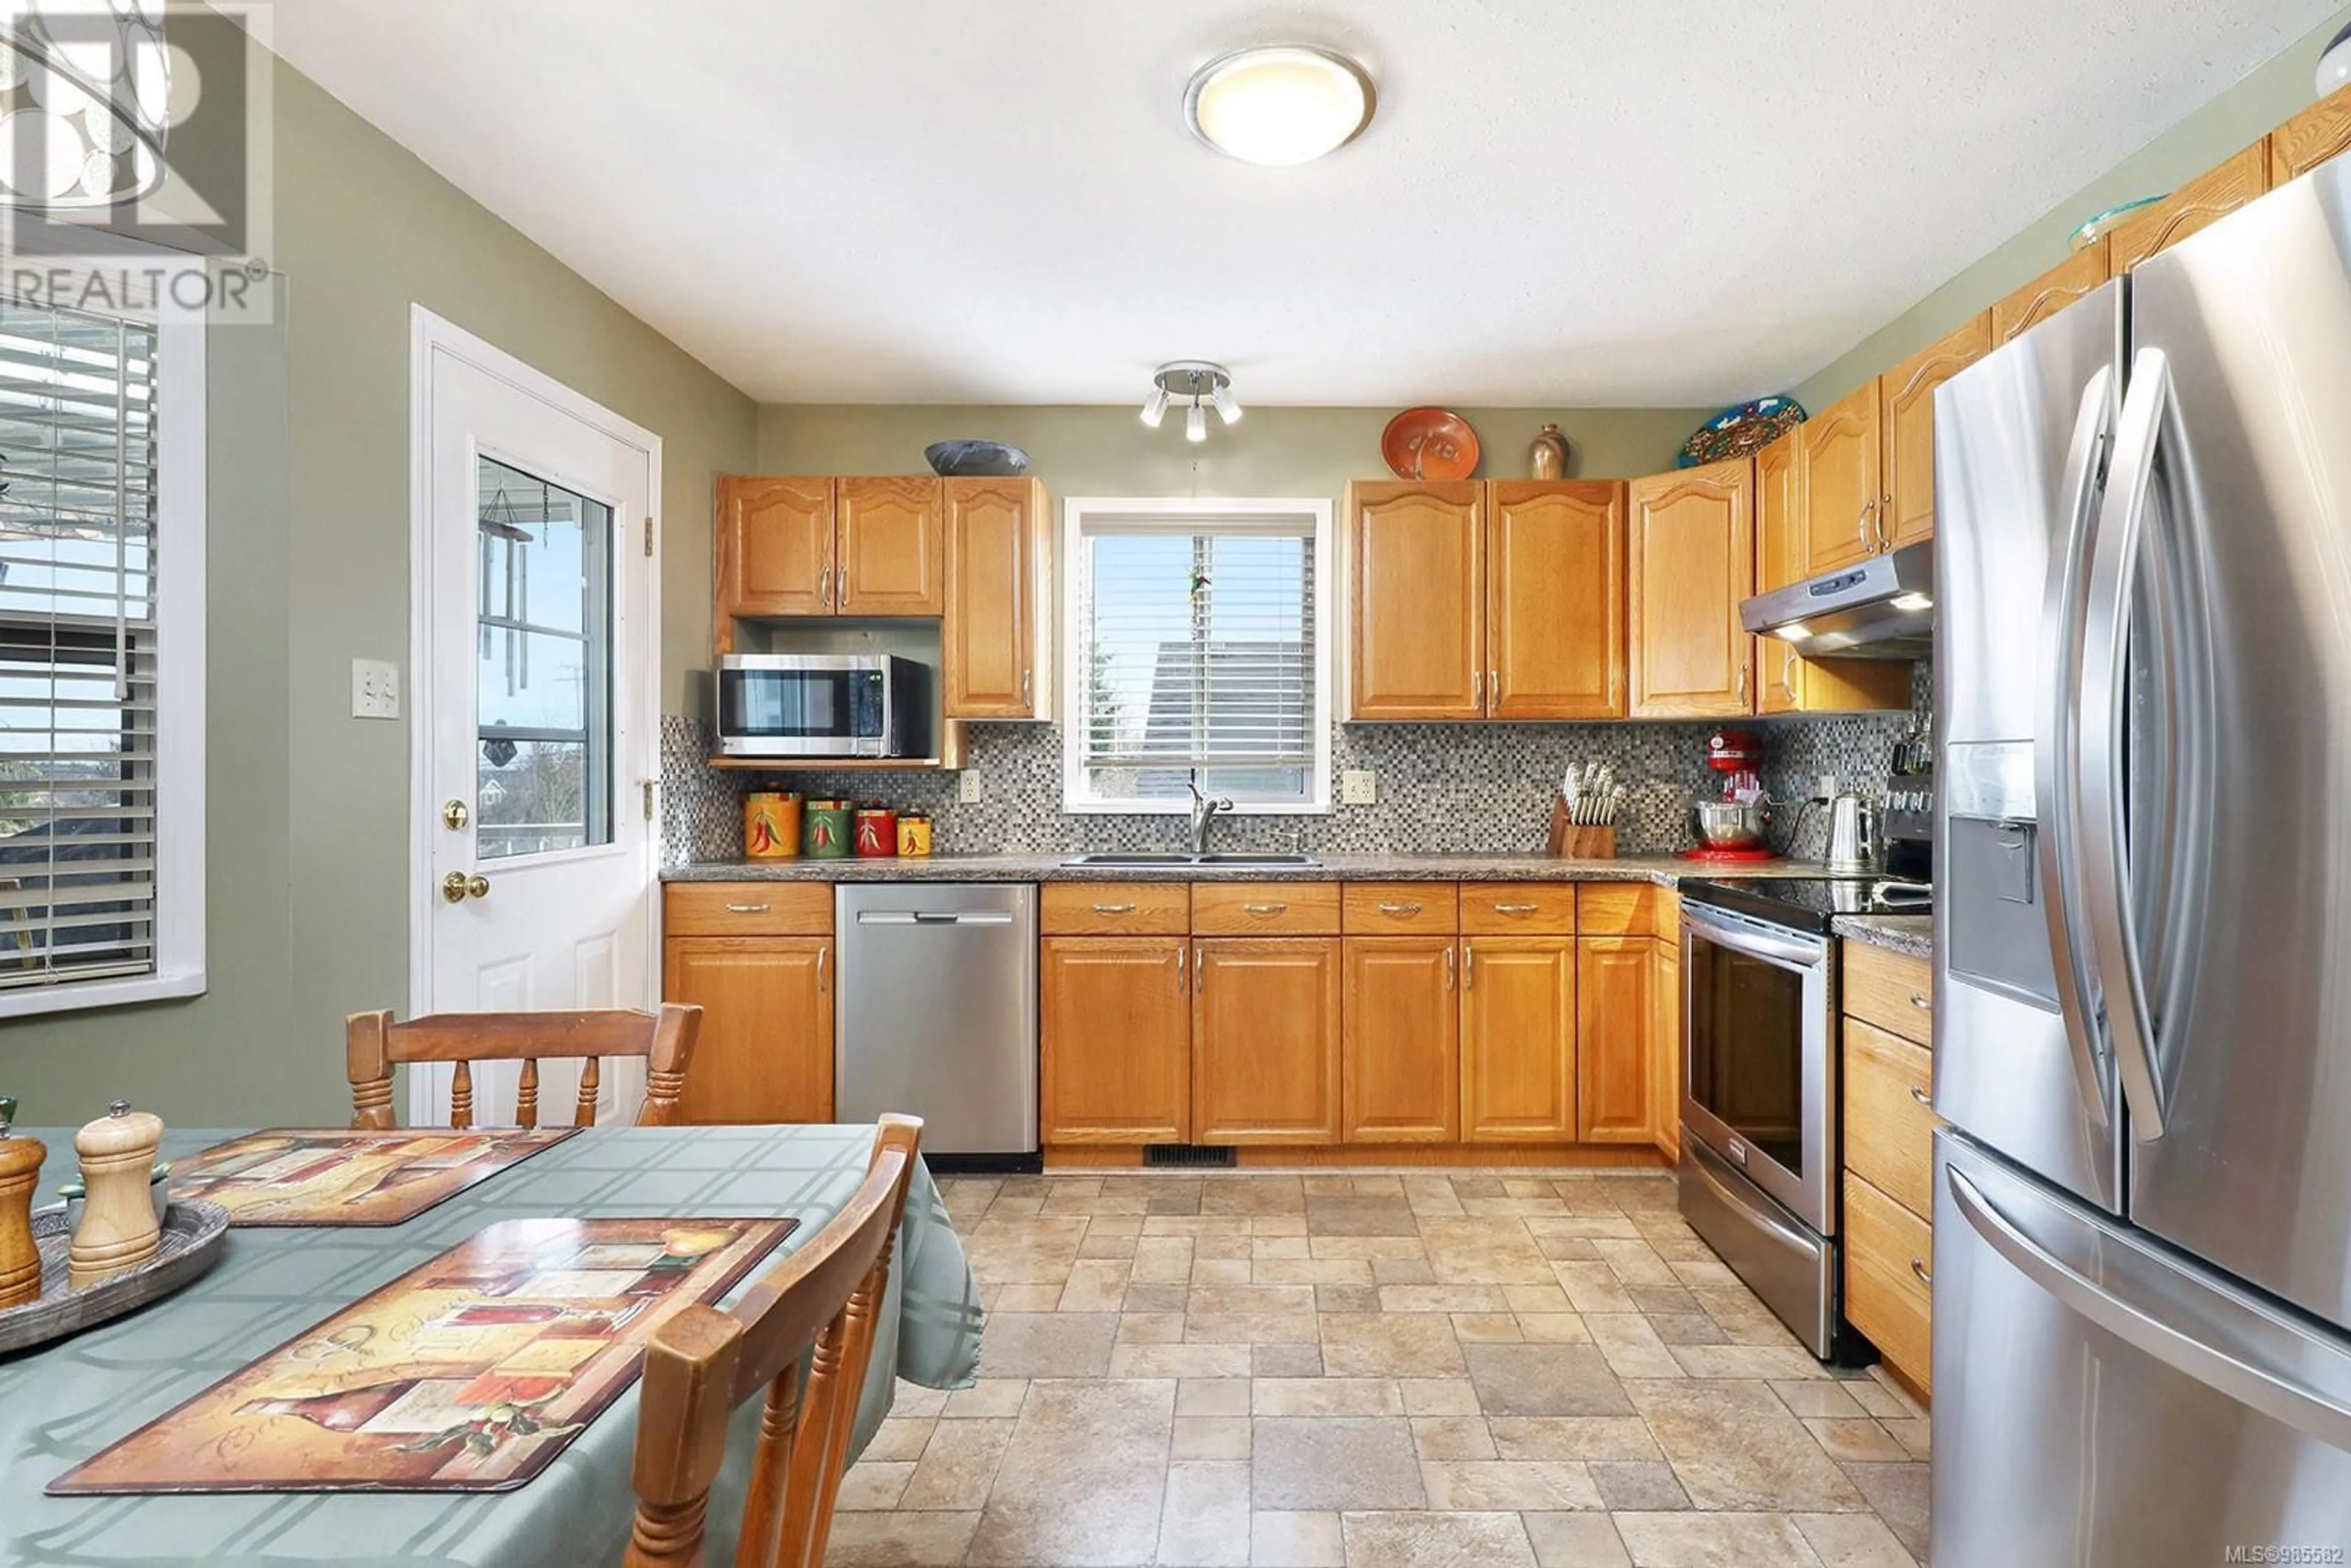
1233	515
181	289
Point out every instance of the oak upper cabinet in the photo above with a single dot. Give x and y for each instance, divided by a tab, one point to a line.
996	643
775	547
893	546
1555	599
1779	560
2080	274
1416	600
2214	194
765	1050
1838	453
1691	559
1403	1057
1265	1040
1116	1016
1906	396
2310	137
1518	1039
1615	1014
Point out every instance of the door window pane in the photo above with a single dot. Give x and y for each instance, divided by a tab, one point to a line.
543	666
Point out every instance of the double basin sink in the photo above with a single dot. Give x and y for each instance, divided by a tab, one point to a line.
1163	862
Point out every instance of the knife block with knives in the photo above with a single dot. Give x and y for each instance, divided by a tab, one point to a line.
1584	815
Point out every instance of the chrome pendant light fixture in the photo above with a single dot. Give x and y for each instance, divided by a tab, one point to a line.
1199	385
85	103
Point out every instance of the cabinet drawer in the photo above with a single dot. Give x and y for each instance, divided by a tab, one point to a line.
1889	1125
1618	909
1109	909
1505	908
746	909
1888	1291
1265	908
1890	990
1401	909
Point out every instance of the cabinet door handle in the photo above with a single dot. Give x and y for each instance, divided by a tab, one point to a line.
1182	949
823	956
1925	1276
1866	532
1885	522
748	908
1477	690
1400	909
1921	1096
1265	909
1027	678
1448	968
1919	999
1742	682
1199	972
1468	967
1788	672
1494	687
1518	908
1113	909
824	587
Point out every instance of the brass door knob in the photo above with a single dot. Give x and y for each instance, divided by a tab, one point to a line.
457	887
455	816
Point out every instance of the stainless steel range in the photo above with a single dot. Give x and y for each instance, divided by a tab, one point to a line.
1759	1096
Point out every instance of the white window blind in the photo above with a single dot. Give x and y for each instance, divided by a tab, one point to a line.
1198	661
78	646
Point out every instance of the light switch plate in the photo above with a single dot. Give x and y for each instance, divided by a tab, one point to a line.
375	688
1359	786
968	788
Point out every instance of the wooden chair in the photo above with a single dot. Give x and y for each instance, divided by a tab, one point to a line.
821	1302
374	1043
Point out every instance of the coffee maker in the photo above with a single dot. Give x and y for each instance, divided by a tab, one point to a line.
1910	812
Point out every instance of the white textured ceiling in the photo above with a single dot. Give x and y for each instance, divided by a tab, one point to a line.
996	201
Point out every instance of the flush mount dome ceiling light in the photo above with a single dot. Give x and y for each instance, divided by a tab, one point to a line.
1192	383
1279	105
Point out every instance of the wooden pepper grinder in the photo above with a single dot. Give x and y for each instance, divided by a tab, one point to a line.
20	1257
118	1217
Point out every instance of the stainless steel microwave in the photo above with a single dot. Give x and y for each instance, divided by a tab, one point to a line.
824	705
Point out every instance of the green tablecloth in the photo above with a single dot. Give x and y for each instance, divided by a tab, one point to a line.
61	1404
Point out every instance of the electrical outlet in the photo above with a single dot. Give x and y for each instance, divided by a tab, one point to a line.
375	689
969	787
1359	786
1827	786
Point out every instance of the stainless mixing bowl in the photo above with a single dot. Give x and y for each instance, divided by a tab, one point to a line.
1727	825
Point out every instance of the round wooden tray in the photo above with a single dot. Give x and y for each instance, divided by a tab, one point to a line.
194	1231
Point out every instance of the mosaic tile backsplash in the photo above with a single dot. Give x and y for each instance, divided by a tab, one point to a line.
1447	789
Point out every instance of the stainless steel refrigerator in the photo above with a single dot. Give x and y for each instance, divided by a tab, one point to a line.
2142	1270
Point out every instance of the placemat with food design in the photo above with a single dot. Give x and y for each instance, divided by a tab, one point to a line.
294	1176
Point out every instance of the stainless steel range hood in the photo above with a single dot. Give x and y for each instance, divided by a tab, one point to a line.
1883	608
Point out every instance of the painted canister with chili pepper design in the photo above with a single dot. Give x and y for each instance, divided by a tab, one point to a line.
877	832
914	833
771	826
824	830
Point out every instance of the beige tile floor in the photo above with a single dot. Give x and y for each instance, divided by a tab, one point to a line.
1383	1371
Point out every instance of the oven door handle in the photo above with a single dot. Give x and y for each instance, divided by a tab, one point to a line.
1761	1216
1755	941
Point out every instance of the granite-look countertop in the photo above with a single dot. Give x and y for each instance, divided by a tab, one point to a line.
1910	933
1664	870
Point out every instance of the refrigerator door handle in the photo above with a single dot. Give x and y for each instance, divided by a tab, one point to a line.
2056	800
2106	650
2142	1309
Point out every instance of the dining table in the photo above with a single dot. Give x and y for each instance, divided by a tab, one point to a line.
62	1402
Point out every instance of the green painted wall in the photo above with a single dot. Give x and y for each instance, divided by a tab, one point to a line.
308	518
2268	97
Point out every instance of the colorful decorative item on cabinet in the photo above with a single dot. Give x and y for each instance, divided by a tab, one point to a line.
2097	228
1736	432
825	829
771	826
1429	444
1547	455
877	832
20	1255
119	1227
914	833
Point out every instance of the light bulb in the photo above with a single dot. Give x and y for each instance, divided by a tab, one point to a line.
1154	407
1284	105
1196	421
1226	404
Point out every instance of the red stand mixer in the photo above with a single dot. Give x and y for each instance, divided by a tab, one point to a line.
1731	830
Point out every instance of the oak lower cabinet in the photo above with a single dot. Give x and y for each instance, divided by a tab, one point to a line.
1116	1019
1889	1154
1665	1044
1518	1039
1691	559
1267	1039
1615	1019
1403	1033
764	1052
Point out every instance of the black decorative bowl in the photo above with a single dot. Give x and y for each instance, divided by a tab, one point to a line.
976	459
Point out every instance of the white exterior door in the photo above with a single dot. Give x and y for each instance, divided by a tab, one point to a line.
535	731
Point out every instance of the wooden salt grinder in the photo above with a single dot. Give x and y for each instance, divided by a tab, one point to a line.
118	1228
20	1257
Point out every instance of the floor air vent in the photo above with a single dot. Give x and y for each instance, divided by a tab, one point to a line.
1193	1154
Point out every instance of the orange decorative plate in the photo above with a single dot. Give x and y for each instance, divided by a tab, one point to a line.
1429	444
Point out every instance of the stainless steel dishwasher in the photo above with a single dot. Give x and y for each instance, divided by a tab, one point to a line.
938	1016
